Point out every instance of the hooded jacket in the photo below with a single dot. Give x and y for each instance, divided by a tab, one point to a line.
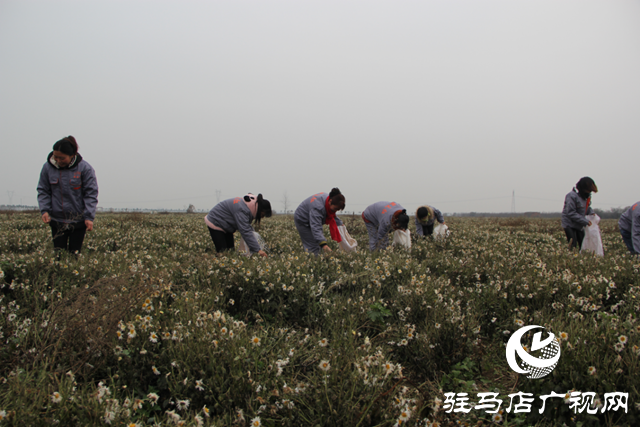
380	214
574	211
236	214
68	194
630	222
433	215
312	213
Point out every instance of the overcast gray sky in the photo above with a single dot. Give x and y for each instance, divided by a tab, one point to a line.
452	103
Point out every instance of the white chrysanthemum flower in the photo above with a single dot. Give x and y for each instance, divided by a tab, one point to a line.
109	416
388	367
174	417
405	415
153	398
324	365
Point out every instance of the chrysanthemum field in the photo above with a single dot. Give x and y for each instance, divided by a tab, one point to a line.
149	327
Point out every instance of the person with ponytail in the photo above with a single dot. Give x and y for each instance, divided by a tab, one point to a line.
381	218
237	214
315	211
425	219
577	204
67	195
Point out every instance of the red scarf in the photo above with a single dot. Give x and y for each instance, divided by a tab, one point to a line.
586	208
331	222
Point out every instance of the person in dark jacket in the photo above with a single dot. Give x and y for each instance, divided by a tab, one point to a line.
380	219
629	224
426	217
577	204
67	195
237	214
315	211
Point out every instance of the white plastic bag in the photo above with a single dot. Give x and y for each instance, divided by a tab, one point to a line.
592	239
243	248
440	231
402	237
348	243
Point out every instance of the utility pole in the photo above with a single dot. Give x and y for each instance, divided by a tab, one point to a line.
10	193
513	202
285	202
218	193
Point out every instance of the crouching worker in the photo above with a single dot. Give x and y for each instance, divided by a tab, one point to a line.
576	206
237	214
425	219
381	218
315	211
629	224
67	195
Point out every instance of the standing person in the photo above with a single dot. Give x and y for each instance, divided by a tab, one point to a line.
67	195
382	218
576	206
236	214
629	224
425	219
315	211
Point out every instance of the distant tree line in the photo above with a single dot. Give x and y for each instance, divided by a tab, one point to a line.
613	213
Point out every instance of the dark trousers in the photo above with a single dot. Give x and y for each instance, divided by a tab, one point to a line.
427	230
574	236
68	237
222	240
628	240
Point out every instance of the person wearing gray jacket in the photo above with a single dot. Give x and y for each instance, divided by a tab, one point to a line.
315	211
380	219
425	219
67	195
629	224
576	207
237	214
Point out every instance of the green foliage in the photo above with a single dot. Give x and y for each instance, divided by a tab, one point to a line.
377	312
149	325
